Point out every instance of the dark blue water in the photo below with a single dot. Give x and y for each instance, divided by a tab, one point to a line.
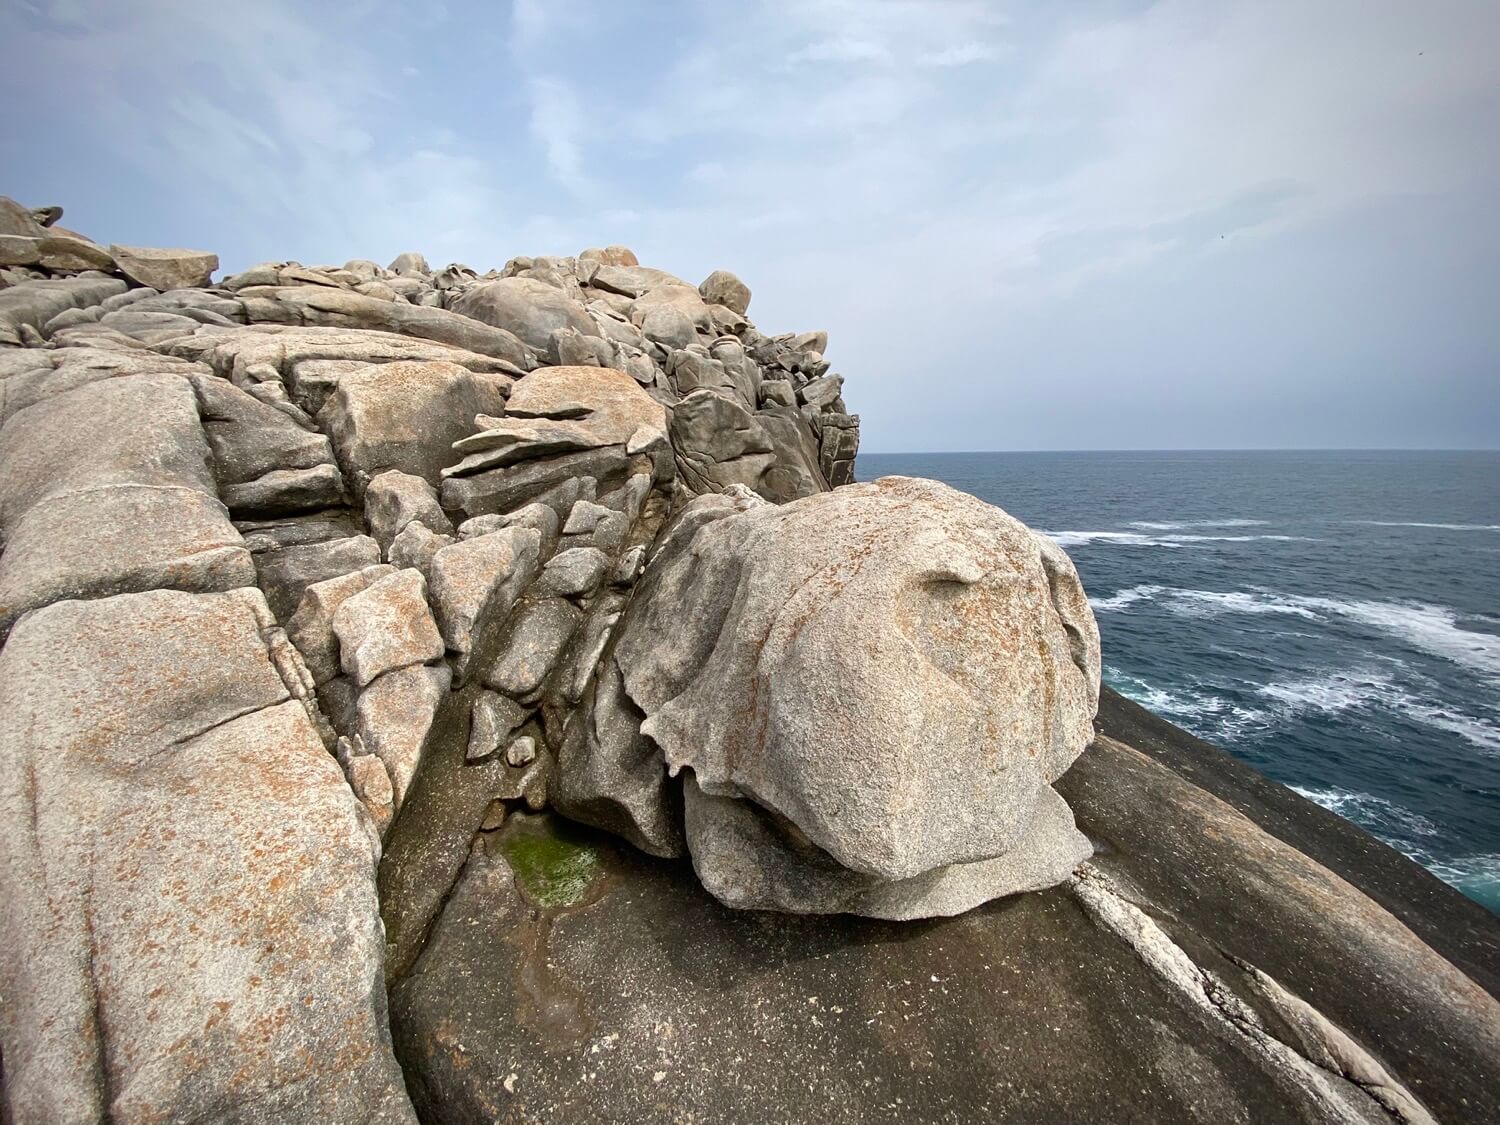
1331	618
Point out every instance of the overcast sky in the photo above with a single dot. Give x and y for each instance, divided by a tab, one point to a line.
1244	223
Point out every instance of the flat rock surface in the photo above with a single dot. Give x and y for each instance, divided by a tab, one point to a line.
526	1005
1023	1010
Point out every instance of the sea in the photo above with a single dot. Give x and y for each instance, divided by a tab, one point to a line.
1331	618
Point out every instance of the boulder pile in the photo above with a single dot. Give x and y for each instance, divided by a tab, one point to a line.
336	600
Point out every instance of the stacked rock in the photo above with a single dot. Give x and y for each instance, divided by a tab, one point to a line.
356	562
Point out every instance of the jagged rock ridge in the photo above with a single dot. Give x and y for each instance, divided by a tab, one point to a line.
359	571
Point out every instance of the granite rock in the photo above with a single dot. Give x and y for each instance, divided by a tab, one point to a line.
190	927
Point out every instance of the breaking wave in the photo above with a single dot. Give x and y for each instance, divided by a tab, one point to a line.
1175	539
1374	814
1412	834
1438	526
1345	691
1149	525
1432	629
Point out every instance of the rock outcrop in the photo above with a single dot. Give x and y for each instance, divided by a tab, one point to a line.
868	704
189	926
328	592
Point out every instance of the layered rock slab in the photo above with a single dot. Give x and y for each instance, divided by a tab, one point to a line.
406	416
106	489
191	930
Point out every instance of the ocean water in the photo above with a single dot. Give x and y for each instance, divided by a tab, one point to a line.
1332	618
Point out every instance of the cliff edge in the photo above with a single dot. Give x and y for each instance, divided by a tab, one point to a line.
445	696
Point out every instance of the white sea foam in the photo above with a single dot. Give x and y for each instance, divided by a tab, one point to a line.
1344	691
1141	539
1124	598
1375	814
1236	539
1438	526
1476	875
1433	629
1152	698
1213	603
1408	832
1148	525
1482	734
1200	709
1123	538
1330	694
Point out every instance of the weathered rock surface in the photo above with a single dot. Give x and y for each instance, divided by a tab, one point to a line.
189	922
385	627
1154	991
395	716
106	489
479	579
285	573
338	308
311	627
834	643
531	310
29	306
406	416
870	700
165	269
394	499
722	288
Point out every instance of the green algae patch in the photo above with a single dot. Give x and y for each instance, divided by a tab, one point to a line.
554	864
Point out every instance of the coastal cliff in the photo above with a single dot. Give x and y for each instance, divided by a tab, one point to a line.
453	696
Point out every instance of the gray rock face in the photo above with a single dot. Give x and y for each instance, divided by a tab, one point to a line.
394	716
533	310
492	720
17	221
341	308
394	499
33	304
479	579
385	627
719	442
722	288
539	633
284	573
575	572
409	264
868	626
64	253
106	489
311	627
165	269
416	545
191	846
406	416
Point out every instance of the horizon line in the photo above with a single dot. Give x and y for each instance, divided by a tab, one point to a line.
1195	449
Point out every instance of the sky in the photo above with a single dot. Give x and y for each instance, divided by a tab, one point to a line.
1091	225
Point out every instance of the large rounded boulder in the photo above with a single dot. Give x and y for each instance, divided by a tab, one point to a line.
530	309
865	708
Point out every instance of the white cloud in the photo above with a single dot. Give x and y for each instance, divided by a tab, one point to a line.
842	49
961	54
556	123
918	175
